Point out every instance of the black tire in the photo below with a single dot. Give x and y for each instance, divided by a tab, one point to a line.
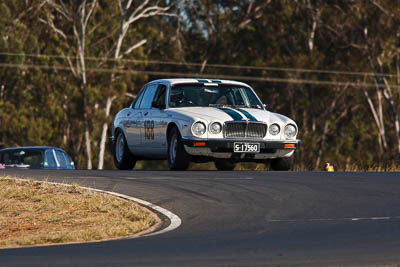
123	158
282	164
178	158
224	164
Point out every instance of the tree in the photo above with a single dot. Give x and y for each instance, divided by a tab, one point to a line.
78	14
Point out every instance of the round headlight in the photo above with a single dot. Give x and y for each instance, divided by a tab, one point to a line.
274	129
290	131
199	128
215	128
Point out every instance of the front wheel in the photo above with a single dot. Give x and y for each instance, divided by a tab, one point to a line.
123	158
282	164
178	159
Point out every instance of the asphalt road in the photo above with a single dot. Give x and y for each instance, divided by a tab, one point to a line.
241	219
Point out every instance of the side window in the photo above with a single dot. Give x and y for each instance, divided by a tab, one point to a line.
34	158
148	96
6	159
159	98
237	95
252	97
61	159
139	99
50	162
244	96
67	160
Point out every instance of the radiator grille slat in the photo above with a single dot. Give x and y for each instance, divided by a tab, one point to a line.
245	130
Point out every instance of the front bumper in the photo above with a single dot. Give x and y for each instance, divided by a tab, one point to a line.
226	145
223	148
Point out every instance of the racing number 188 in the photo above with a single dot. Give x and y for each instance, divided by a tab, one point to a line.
149	129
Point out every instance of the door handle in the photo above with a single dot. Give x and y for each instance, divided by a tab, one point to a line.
146	113
128	114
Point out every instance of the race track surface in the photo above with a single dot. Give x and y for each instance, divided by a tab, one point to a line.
241	218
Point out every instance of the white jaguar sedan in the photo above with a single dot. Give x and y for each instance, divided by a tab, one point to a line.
200	120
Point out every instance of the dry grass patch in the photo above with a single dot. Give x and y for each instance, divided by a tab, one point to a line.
37	213
392	167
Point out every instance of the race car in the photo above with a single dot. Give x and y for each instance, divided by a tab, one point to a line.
200	120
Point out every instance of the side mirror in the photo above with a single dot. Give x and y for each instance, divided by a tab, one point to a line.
266	106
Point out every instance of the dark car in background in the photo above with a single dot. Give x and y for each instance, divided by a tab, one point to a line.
36	157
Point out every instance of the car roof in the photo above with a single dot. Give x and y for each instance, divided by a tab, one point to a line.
29	148
173	81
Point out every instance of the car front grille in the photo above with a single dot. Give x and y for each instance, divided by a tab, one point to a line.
245	130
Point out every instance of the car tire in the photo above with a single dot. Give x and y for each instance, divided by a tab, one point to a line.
123	158
178	158
282	164
224	164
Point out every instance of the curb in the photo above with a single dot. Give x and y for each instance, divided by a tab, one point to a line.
174	219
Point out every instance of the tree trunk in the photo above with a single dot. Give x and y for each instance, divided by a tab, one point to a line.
382	130
387	94
322	143
314	14
104	132
87	143
378	121
326	129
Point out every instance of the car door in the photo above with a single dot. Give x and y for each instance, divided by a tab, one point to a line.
146	121
159	116
131	124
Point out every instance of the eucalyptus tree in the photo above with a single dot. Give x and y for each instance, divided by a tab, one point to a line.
77	15
367	33
306	53
82	22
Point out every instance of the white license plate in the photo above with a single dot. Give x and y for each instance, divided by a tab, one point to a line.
246	147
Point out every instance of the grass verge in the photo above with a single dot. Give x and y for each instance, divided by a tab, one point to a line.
41	213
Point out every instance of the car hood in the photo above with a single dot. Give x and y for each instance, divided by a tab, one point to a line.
232	114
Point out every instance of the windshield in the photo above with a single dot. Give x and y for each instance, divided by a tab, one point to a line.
190	95
22	158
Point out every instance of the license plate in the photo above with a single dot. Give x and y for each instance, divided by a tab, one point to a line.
246	147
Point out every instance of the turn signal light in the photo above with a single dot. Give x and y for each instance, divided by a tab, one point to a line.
289	146
199	143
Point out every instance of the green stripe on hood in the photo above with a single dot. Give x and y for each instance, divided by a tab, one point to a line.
234	115
248	115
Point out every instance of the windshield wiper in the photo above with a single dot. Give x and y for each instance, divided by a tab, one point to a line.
256	106
220	105
234	106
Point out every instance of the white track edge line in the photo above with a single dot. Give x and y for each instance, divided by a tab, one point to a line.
175	220
337	219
